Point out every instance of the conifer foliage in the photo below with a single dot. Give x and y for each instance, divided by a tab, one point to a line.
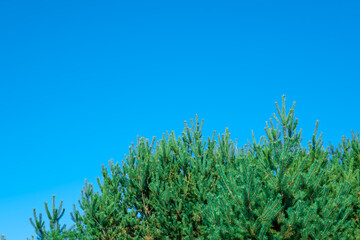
345	167
56	231
154	195
278	190
191	188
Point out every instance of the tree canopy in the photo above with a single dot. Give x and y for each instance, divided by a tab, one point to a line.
191	188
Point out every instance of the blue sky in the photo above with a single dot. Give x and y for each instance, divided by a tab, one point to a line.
79	80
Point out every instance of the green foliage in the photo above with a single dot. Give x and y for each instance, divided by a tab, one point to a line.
56	231
189	188
278	190
345	167
154	195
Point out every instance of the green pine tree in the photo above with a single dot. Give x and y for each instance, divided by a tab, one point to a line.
189	188
56	231
279	190
156	194
345	167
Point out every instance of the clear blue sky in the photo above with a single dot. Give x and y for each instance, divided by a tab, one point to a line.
79	80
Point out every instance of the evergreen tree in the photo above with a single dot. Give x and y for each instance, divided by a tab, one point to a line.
345	167
278	190
57	231
155	194
188	188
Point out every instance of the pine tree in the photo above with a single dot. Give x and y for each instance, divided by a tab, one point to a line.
56	231
155	194
278	190
188	188
345	167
